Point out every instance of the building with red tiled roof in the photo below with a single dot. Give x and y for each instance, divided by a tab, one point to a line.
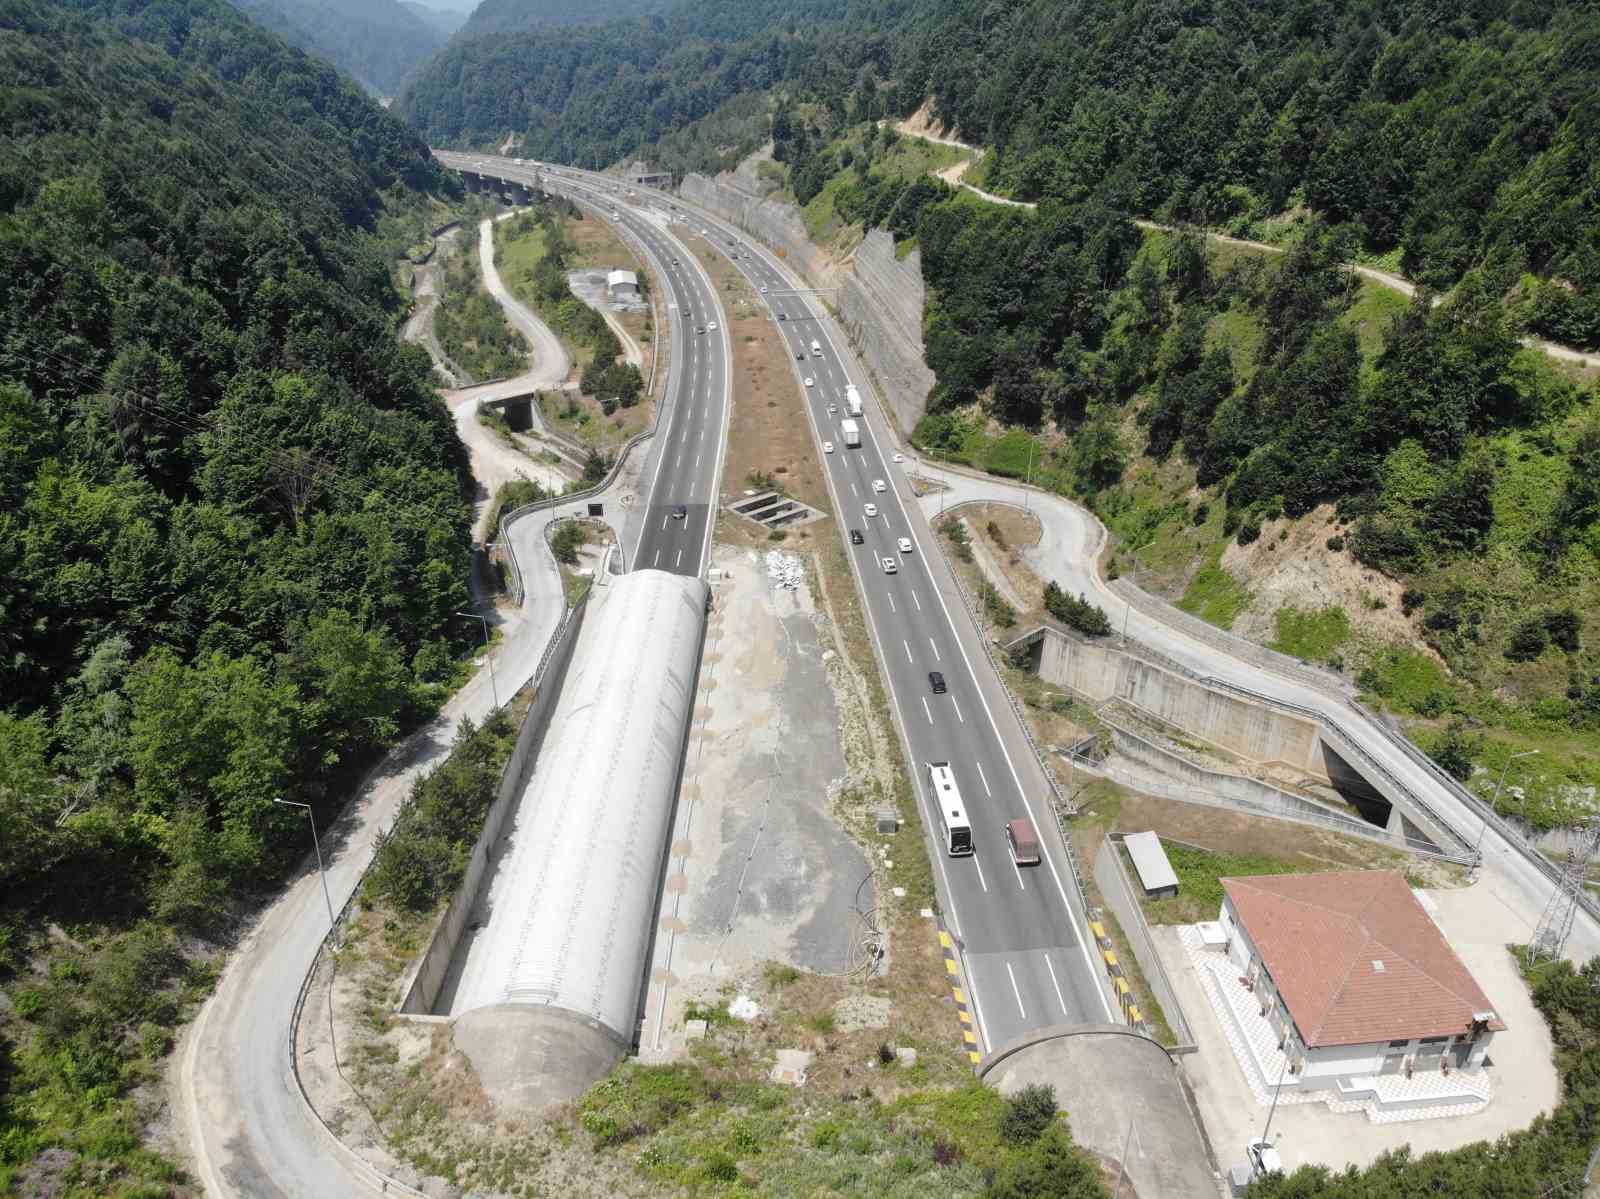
1354	975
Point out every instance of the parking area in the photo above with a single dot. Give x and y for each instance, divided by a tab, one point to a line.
1479	926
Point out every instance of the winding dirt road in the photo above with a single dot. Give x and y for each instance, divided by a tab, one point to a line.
1382	278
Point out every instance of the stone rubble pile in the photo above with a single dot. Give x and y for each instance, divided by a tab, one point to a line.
785	570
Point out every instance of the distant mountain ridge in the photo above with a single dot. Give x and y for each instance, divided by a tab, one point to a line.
522	16
378	43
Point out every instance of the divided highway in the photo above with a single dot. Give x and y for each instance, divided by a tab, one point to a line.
683	462
1510	867
1022	930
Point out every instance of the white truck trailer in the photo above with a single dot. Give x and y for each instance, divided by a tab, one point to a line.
852	433
852	397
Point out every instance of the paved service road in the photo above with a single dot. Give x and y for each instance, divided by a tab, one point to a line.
247	1129
1021	929
683	463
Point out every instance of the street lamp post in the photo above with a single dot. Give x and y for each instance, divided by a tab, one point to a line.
1027	490
1477	850
1271	1111
494	688
321	872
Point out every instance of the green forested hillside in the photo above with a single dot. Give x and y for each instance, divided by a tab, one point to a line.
233	524
378	43
592	96
1445	139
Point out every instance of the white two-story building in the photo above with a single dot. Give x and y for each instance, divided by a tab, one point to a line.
1354	977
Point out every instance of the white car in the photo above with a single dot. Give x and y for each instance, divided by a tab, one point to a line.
833	410
712	326
879	485
763	289
827	447
890	566
899	457
871	509
905	545
810	382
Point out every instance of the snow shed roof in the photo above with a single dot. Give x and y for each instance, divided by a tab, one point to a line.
572	928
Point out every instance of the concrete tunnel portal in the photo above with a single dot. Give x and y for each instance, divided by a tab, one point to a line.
547	1000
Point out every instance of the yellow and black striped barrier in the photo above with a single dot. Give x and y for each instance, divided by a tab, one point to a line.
952	966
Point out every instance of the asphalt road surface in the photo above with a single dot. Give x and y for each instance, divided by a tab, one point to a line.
683	464
1023	938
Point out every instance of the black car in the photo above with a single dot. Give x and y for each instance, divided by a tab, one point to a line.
855	537
936	681
783	316
679	511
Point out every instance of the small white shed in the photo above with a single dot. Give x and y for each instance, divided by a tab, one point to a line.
1150	861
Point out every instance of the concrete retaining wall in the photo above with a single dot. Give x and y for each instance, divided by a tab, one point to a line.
1259	795
1254	732
880	304
880	297
421	988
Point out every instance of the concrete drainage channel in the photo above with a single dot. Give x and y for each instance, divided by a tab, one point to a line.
774	510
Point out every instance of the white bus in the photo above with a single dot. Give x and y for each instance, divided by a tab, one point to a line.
952	815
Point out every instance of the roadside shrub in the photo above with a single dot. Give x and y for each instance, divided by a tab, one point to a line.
1384	543
1411	599
1028	1113
1202	512
564	542
1455	749
996	608
1249	530
1528	640
1077	613
1336	543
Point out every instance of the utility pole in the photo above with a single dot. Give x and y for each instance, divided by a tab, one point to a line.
494	688
1477	850
1271	1111
321	873
1027	490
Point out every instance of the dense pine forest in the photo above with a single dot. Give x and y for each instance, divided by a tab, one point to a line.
233	524
1453	139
